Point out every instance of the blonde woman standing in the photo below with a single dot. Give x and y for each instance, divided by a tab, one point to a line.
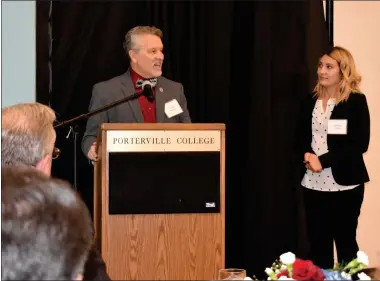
333	133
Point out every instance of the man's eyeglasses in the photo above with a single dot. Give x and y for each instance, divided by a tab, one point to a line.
56	153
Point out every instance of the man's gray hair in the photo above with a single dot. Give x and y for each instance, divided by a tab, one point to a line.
129	39
27	134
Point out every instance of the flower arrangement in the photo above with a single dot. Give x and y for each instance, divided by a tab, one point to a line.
291	268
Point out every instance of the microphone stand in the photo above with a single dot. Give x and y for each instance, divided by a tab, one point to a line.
101	109
86	115
75	134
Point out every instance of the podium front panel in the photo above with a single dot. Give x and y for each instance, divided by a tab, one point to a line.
164	182
161	206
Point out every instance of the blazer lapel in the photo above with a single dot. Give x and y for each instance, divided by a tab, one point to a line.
128	90
160	101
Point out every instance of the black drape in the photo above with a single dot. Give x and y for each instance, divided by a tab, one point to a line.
245	64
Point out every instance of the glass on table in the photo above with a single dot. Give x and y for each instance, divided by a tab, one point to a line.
232	274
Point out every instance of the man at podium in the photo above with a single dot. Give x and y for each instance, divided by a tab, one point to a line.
163	100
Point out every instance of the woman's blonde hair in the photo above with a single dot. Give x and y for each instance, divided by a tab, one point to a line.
350	78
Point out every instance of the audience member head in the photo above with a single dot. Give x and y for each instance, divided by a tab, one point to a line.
46	230
28	136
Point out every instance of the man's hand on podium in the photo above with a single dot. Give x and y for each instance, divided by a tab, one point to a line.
92	155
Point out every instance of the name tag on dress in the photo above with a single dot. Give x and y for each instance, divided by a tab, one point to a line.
337	127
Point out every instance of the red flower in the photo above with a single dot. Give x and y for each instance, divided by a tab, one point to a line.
306	270
283	273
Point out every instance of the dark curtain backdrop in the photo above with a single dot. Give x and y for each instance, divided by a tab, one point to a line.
245	64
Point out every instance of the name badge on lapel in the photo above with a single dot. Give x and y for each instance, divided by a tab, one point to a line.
337	127
172	108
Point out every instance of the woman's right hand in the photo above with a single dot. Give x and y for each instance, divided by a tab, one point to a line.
312	162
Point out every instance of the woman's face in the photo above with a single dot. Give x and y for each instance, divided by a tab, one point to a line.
328	72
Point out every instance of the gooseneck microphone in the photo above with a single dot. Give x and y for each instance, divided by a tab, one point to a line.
148	91
147	87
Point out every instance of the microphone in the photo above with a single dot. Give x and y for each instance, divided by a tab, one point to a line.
147	90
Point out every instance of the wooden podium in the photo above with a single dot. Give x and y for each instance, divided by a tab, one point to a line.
159	200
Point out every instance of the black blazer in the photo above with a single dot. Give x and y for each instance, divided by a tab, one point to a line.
345	156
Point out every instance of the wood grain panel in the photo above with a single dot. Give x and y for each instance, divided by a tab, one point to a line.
163	247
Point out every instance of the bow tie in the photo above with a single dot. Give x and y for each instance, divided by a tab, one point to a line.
141	83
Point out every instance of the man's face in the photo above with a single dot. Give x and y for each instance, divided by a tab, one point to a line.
147	59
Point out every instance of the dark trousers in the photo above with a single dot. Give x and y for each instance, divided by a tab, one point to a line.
332	216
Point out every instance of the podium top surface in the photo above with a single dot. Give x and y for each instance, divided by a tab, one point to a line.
162	126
